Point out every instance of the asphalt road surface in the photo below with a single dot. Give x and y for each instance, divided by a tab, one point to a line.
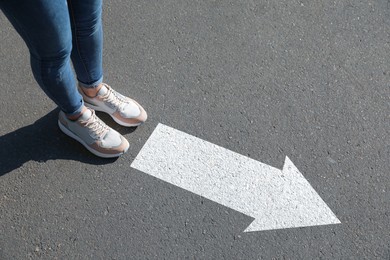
265	79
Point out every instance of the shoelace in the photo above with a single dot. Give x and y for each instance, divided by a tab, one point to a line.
98	129
114	98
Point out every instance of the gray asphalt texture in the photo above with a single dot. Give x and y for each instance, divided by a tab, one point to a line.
267	79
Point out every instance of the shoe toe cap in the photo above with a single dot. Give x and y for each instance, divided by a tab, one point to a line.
131	120
130	110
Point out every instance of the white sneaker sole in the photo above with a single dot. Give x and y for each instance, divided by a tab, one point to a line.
97	153
118	121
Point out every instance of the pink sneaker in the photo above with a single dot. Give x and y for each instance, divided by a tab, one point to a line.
125	111
94	134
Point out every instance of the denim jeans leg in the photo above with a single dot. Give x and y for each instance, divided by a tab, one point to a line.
45	28
87	53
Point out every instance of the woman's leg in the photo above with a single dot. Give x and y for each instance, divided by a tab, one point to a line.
86	24
87	60
45	27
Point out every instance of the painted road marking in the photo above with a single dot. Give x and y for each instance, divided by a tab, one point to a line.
275	198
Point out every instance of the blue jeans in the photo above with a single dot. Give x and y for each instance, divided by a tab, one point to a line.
57	32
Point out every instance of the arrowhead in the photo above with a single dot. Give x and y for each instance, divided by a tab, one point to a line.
298	205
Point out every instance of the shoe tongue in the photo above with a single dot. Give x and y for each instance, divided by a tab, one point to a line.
86	115
103	90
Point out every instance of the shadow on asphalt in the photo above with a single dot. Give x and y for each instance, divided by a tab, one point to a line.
43	141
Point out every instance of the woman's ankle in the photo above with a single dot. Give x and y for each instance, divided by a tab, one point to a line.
76	116
91	92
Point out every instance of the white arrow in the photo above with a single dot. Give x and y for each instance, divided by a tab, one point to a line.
275	198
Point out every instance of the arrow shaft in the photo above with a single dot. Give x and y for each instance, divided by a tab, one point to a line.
208	170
